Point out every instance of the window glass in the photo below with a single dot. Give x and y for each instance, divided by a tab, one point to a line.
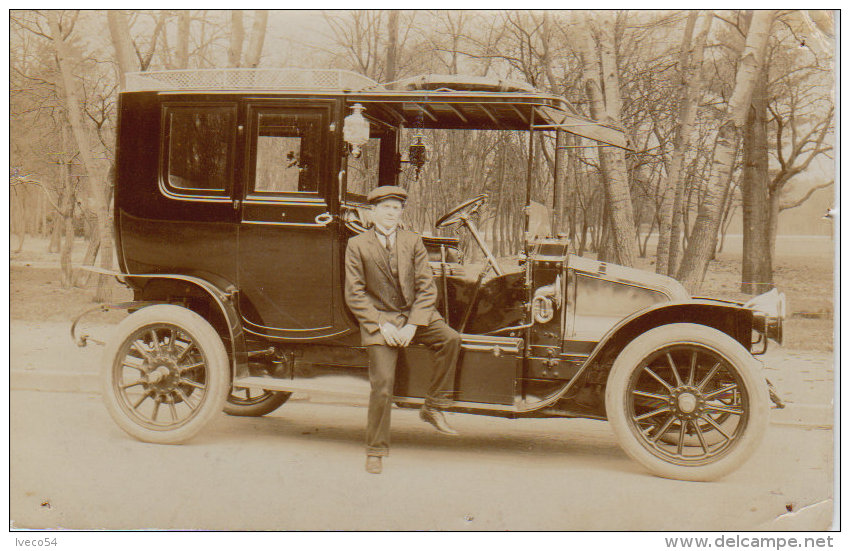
199	147
362	171
288	152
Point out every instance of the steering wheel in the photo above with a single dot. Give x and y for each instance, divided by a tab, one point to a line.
463	210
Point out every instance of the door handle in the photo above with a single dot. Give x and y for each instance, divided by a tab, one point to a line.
324	219
236	204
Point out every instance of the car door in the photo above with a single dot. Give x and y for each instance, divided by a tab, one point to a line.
286	241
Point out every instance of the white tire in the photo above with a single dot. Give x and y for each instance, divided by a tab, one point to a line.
165	374
687	402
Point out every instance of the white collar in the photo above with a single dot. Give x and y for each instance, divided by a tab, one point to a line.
380	231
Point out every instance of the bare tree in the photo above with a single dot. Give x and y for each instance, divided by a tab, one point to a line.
392	45
602	88
690	67
184	23
119	30
237	37
257	39
95	175
703	240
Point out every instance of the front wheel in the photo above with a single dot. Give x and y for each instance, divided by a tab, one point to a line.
165	374
687	402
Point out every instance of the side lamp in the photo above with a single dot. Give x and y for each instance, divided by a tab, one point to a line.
355	129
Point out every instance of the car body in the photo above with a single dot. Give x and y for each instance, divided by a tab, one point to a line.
233	207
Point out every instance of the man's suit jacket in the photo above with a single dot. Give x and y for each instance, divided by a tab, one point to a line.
370	289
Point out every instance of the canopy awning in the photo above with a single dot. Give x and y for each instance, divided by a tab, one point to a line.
450	109
587	128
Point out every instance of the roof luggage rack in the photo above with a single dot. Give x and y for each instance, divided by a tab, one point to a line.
280	79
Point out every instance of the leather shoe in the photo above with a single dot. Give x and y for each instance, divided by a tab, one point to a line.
436	418
373	464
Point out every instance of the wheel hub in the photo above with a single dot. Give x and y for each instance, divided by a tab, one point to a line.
162	379
687	402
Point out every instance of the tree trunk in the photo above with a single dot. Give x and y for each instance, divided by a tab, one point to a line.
67	280
392	46
772	224
603	91
237	37
183	26
756	268
691	86
91	251
258	38
119	30
58	228
703	239
96	192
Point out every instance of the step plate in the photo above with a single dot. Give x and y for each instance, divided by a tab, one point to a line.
350	387
338	385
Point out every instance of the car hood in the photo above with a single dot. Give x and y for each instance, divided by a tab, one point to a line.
631	276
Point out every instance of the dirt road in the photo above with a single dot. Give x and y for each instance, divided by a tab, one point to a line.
302	469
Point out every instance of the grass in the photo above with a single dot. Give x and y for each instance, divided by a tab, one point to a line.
808	284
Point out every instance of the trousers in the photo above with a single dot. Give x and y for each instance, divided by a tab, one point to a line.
444	343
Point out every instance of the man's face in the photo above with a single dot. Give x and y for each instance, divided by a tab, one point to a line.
387	214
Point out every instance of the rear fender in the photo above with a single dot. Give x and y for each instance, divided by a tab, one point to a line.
221	294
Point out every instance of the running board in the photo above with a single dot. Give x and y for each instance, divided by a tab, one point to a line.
354	388
337	386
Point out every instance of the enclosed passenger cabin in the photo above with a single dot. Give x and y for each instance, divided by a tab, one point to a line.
243	178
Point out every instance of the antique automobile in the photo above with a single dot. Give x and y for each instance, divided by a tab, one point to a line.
234	201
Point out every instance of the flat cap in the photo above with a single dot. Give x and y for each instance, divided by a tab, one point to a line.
387	192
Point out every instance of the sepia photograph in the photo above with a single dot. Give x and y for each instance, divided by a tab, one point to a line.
386	270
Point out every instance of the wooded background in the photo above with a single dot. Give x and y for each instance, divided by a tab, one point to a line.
731	113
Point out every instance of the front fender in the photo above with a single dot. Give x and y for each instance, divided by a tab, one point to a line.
731	318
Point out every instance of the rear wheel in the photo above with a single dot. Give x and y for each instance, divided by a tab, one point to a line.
247	402
165	374
687	402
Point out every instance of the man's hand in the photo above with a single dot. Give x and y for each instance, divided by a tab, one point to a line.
391	334
406	334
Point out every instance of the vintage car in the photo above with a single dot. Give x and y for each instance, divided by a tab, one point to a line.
233	205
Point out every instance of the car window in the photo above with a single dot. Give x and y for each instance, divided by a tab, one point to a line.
288	152
199	150
362	171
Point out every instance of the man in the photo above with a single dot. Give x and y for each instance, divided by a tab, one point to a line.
390	289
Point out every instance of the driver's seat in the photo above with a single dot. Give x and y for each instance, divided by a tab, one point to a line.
452	245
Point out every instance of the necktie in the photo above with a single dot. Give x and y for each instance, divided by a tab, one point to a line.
387	243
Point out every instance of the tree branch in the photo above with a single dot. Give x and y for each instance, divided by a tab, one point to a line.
796	203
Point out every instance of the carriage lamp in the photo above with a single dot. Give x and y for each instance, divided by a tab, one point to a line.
417	154
768	315
771	303
355	130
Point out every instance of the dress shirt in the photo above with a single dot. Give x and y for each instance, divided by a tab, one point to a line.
387	240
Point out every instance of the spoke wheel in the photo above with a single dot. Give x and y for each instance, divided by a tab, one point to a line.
687	402
166	374
246	402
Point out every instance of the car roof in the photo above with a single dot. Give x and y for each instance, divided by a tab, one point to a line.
426	101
